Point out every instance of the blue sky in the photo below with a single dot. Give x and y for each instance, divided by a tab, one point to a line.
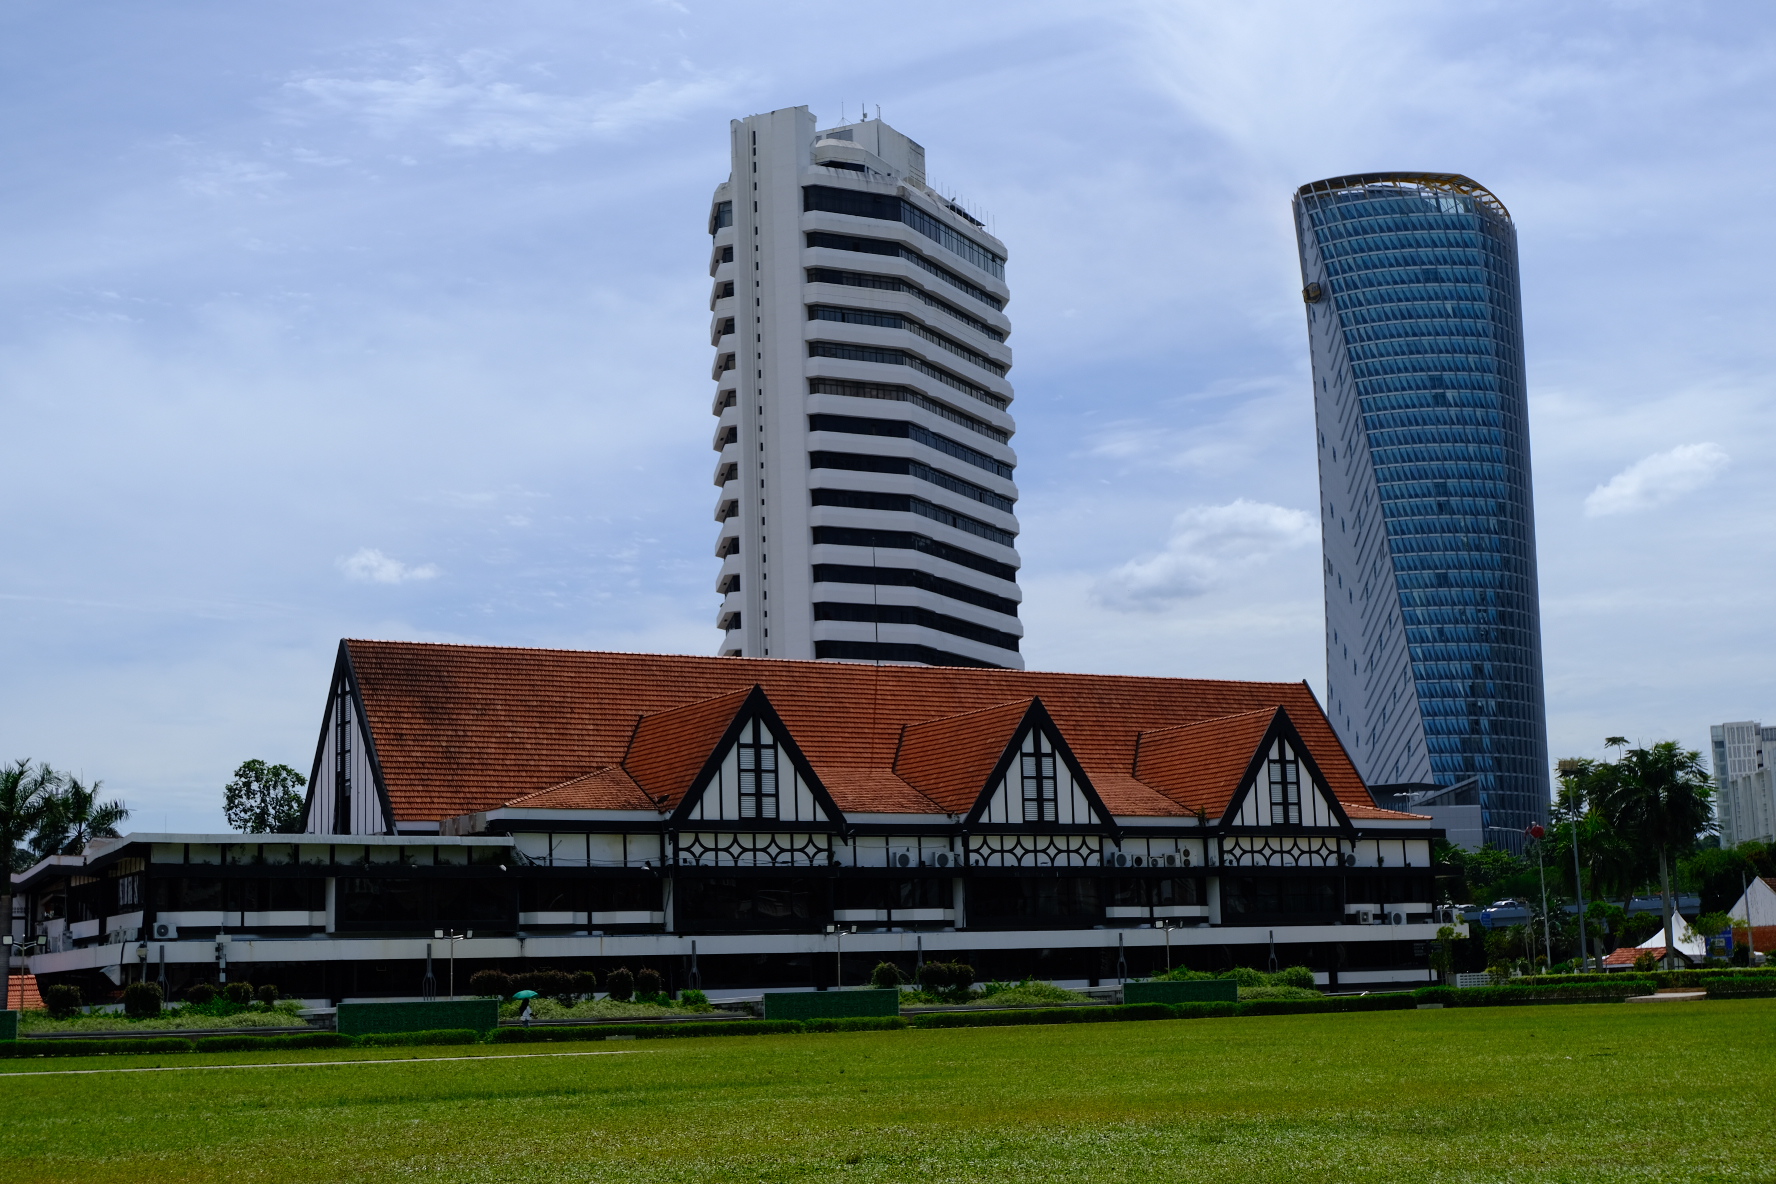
389	320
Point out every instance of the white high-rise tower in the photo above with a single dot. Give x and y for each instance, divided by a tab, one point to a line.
867	503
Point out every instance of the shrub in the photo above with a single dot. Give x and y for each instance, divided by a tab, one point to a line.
268	994
63	1000
1245	976
1272	993
648	983
585	984
619	984
491	982
886	976
940	978
200	994
141	1001
692	997
238	993
1293	976
555	984
1645	963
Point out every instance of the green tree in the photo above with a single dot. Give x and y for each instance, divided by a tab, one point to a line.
1661	800
264	799
73	816
1443	951
23	793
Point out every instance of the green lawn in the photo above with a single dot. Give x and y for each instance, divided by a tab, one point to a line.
1661	1092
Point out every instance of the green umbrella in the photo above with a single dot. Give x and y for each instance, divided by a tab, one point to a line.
524	994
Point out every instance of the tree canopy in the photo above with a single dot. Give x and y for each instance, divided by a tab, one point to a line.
264	799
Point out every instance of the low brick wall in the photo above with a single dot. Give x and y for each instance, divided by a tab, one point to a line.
360	1019
1200	990
820	1005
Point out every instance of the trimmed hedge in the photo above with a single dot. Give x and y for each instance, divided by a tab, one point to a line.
554	1035
1611	991
411	1039
89	1048
1055	1015
1744	987
1161	1011
242	1043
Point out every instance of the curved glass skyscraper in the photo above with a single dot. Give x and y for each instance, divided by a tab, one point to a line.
1433	630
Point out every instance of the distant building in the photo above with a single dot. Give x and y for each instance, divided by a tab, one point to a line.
713	818
862	409
1433	621
1454	808
1744	781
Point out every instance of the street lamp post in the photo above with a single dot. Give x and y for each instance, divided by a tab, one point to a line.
1166	928
452	938
838	935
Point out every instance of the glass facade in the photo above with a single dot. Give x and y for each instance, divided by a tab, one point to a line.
1416	319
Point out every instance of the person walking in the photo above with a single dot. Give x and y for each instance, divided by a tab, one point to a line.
524	1013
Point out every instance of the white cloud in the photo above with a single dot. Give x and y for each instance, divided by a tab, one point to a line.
1209	544
464	102
374	567
1657	479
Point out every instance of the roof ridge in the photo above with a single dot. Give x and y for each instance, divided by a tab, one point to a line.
827	664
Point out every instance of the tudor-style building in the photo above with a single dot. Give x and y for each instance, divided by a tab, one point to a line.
716	817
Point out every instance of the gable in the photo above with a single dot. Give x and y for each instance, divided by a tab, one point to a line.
1285	790
1039	783
757	777
345	791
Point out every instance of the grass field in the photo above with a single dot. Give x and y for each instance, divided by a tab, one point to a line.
1661	1092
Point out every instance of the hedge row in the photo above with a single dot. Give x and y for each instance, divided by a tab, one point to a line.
1663	978
556	1035
1740	988
1610	991
1590	990
1161	1011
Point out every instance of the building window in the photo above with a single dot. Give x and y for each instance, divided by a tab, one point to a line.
1041	794
1285	788
758	772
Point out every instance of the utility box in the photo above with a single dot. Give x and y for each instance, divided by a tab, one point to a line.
830	1005
1200	990
9	1025
361	1019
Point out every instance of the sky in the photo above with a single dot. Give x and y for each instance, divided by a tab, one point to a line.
389	319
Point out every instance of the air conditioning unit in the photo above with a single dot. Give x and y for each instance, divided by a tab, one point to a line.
903	857
1365	917
1397	918
940	859
165	931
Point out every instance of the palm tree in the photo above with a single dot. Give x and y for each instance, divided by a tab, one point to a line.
73	816
24	791
1661	800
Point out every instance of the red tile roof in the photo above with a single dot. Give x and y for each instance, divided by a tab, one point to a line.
22	993
1200	765
671	747
460	729
609	788
949	759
